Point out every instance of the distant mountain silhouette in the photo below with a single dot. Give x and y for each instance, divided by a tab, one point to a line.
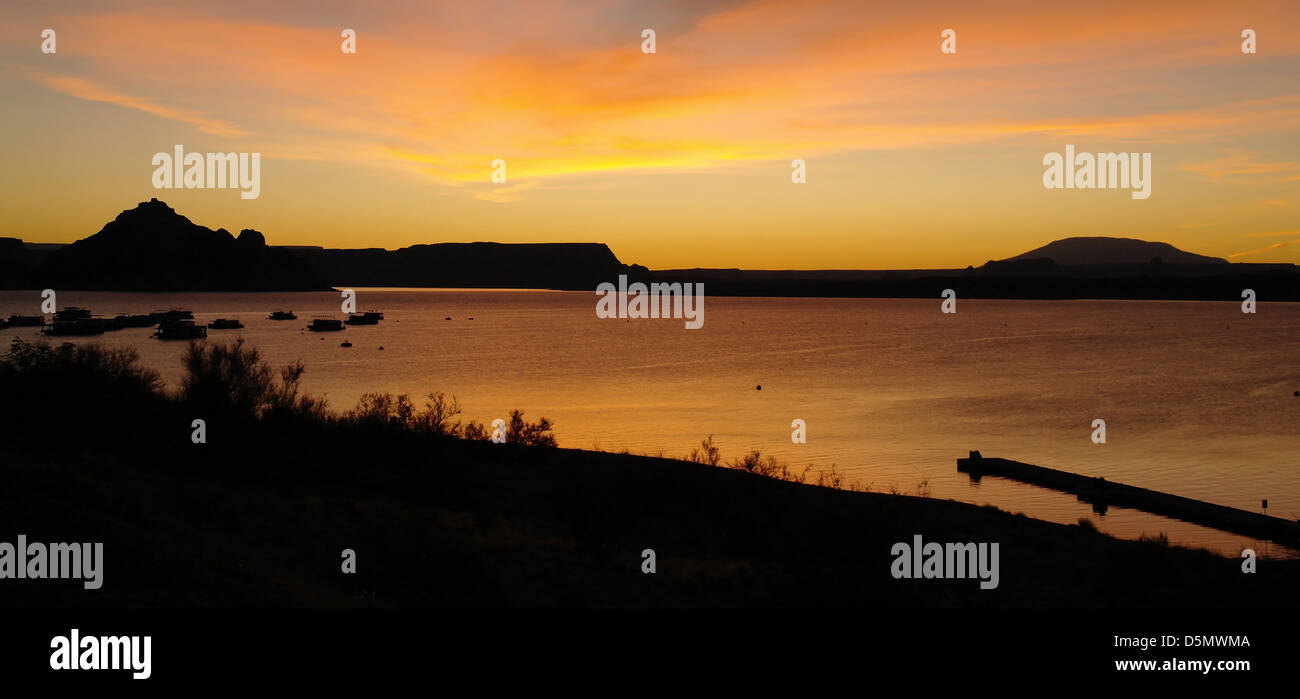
1112	251
16	263
153	248
571	266
1073	268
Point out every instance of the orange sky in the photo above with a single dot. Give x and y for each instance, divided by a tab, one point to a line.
680	158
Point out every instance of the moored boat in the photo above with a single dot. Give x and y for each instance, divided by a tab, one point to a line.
225	324
180	330
20	321
325	324
173	314
78	326
282	315
72	313
362	319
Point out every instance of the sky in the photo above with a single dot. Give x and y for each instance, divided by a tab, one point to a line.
915	158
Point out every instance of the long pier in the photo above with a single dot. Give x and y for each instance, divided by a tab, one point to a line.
1102	493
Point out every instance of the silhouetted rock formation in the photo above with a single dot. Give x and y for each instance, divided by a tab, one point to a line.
574	266
16	264
1073	268
1017	267
153	248
1112	251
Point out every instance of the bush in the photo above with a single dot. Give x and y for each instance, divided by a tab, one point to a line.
531	434
235	379
71	366
708	453
109	391
754	462
92	390
386	411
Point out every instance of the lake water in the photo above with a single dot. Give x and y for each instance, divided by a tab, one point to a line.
1197	397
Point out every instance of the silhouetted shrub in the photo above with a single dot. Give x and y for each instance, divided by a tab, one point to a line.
92	390
754	462
707	454
233	378
386	411
474	430
438	413
531	434
383	410
72	365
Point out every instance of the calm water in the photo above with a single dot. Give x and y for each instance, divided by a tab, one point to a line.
1197	397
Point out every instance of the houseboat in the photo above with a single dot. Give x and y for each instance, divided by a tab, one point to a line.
17	321
225	324
282	315
180	330
362	319
325	324
72	313
173	314
77	326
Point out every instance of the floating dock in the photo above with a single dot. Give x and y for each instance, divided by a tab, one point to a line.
1102	493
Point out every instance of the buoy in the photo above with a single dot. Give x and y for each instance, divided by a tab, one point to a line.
447	318
758	387
381	347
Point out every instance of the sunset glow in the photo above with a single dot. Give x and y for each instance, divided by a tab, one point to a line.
680	158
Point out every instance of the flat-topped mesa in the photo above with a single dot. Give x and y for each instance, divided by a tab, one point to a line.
571	266
1100	250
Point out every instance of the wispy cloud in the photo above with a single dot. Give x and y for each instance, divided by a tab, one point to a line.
86	90
1247	167
1274	246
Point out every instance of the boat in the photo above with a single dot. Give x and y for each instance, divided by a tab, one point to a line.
225	324
17	321
362	319
325	324
282	315
77	326
180	330
173	314
377	315
345	343
72	313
